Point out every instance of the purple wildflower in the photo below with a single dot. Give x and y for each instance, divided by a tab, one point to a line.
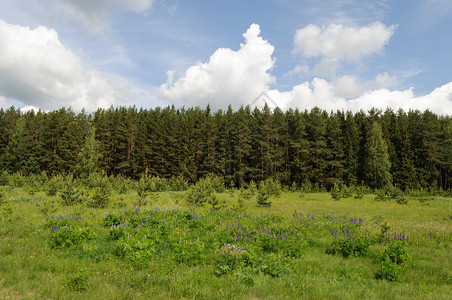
53	227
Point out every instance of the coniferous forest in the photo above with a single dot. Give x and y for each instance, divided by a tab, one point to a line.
411	150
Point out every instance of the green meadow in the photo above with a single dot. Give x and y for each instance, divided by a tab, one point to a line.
302	246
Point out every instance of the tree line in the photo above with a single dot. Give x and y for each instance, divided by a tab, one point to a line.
410	150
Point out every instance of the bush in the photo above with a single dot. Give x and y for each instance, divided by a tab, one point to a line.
189	253
111	220
388	270
202	192
396	253
47	207
4	178
136	251
67	237
354	246
54	185
77	282
229	258
69	193
336	193
402	199
391	261
101	196
267	189
360	192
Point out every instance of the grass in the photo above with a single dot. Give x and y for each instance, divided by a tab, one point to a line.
30	268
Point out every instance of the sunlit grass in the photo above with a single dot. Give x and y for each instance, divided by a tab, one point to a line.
29	268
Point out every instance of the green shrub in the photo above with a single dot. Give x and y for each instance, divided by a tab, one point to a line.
66	237
396	252
391	260
69	193
354	246
360	191
274	267
54	185
100	197
388	270
47	207
136	251
4	178
78	282
111	220
229	258
336	192
191	253
401	199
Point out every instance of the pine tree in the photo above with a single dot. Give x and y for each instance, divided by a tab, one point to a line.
377	164
89	155
299	146
335	151
351	149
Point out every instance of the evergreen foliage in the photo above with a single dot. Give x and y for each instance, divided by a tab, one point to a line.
313	149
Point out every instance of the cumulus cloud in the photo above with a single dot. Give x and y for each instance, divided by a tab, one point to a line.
95	14
337	43
233	77
350	86
38	71
321	93
238	77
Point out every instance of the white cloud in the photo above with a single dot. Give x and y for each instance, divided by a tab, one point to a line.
233	77
298	69
37	70
337	43
238	77
350	86
322	94
95	14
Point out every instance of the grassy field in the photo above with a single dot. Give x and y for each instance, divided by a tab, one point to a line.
293	249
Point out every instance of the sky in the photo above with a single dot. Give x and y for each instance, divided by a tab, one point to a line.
342	54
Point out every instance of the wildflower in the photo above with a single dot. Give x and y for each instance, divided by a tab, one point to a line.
53	227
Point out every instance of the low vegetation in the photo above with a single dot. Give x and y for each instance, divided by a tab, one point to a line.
107	237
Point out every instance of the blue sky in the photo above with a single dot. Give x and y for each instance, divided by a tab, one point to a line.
343	54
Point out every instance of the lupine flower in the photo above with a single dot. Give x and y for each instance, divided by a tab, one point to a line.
57	228
65	228
53	227
286	237
360	220
293	231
